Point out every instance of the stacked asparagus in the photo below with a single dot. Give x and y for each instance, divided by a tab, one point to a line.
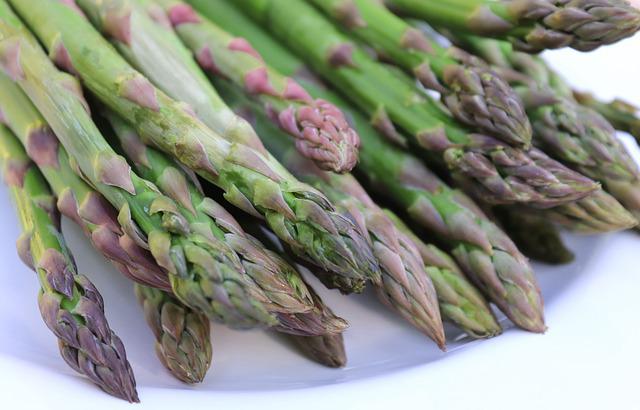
186	91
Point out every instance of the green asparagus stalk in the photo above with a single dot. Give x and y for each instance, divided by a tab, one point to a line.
152	47
70	305
405	286
205	273
532	25
484	252
460	301
287	296
299	215
474	94
622	115
76	199
183	336
576	135
534	234
500	173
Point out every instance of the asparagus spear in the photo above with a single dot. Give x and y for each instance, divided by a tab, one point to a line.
183	342
500	173
70	305
482	250
576	135
327	350
534	234
299	215
532	25
76	199
460	301
474	94
205	273
288	297
621	114
153	48
405	287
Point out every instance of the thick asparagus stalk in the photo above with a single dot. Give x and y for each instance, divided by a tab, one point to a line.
153	48
205	273
299	215
484	252
183	336
405	286
621	114
576	135
473	93
460	301
76	199
535	235
70	305
500	173
532	25
287	295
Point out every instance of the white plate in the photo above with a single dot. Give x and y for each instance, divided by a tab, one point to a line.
585	358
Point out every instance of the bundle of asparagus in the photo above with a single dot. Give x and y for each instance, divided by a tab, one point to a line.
183	93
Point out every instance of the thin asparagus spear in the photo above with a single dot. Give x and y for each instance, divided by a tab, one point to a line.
460	301
622	115
299	215
405	286
70	305
597	213
288	297
535	235
532	25
321	317
473	93
576	135
327	350
152	47
76	199
500	173
183	336
205	273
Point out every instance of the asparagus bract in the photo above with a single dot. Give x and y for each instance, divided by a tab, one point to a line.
204	272
76	199
532	25
69	303
285	293
500	173
473	93
183	336
299	215
153	48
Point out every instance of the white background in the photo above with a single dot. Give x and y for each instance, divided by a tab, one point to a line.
588	359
